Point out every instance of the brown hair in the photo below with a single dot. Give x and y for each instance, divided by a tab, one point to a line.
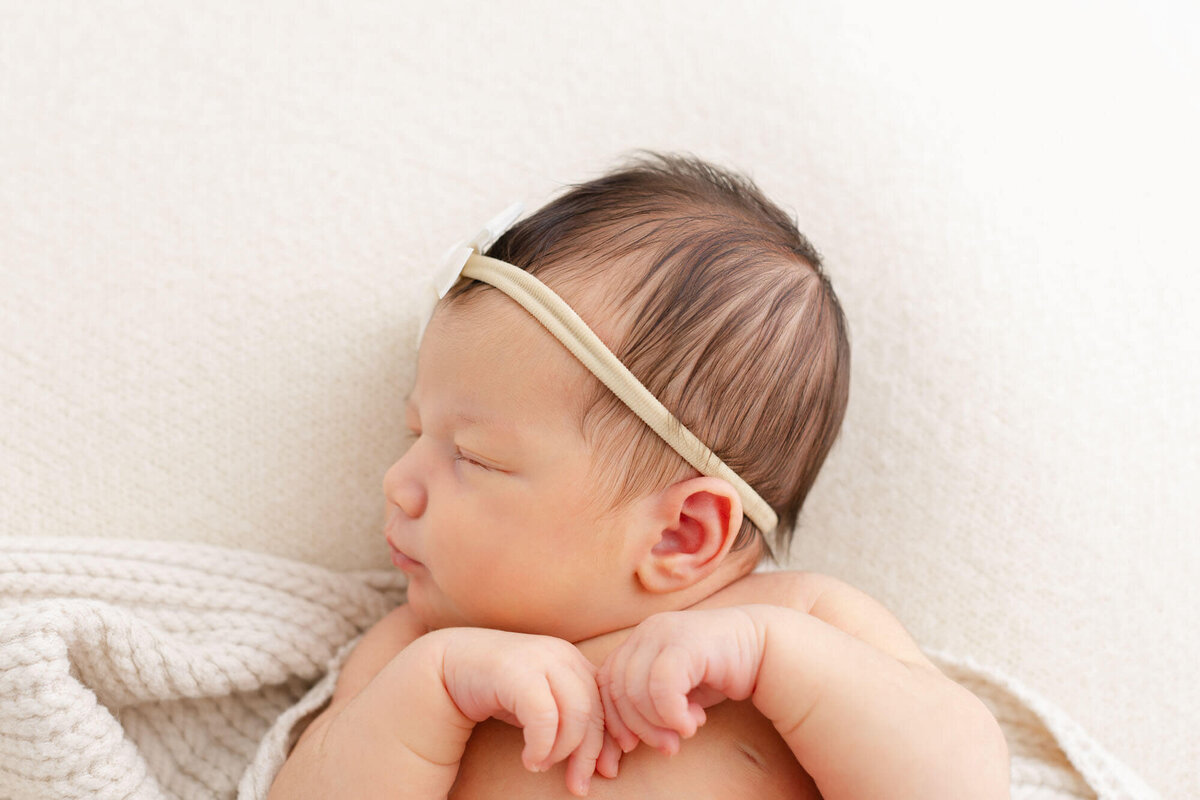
709	294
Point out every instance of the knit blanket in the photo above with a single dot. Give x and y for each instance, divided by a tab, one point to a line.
146	670
149	670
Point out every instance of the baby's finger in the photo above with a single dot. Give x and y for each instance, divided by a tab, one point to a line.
582	763
635	703
610	679
579	715
610	757
672	674
631	681
659	738
535	709
625	739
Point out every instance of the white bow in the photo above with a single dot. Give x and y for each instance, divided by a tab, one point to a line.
451	266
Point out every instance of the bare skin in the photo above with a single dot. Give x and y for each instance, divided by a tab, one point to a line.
737	753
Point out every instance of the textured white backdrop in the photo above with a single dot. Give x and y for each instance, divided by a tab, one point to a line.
213	218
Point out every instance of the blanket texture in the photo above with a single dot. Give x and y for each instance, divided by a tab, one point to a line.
154	670
151	670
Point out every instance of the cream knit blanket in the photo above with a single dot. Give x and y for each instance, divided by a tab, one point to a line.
150	670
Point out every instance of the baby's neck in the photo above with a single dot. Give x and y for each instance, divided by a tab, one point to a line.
644	603
597	647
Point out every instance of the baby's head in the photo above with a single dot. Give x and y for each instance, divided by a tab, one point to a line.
569	515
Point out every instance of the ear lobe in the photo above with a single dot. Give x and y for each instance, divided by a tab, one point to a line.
702	518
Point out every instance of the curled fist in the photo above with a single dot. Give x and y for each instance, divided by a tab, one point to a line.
541	684
655	686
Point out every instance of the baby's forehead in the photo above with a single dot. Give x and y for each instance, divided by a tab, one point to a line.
491	354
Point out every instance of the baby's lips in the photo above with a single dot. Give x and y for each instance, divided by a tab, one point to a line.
403	561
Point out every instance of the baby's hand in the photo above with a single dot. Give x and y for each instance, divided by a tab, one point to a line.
656	685
541	684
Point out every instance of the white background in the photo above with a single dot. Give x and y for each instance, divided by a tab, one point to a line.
214	218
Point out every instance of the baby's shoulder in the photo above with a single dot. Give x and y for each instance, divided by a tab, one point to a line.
832	601
788	588
796	589
382	641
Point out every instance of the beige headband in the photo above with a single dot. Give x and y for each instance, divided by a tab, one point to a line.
561	320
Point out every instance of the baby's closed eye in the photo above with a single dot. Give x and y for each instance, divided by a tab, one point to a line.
469	458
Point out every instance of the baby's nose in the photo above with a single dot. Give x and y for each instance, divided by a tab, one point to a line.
403	489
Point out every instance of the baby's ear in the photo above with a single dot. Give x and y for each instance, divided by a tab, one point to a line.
695	523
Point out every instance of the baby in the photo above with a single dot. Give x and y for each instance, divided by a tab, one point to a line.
581	559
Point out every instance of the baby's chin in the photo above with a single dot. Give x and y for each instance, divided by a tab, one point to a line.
434	610
436	619
431	614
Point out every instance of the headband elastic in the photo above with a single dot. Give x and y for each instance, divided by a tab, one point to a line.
464	260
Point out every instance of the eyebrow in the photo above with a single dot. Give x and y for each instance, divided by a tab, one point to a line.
482	422
471	420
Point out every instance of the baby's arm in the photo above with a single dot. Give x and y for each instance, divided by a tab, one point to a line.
389	731
403	733
863	723
829	600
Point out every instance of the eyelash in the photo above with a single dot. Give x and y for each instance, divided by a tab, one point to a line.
458	456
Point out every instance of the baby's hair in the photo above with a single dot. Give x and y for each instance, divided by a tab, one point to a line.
710	295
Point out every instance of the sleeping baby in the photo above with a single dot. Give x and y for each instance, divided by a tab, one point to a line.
618	413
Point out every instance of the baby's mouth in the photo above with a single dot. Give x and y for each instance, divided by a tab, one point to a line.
403	562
